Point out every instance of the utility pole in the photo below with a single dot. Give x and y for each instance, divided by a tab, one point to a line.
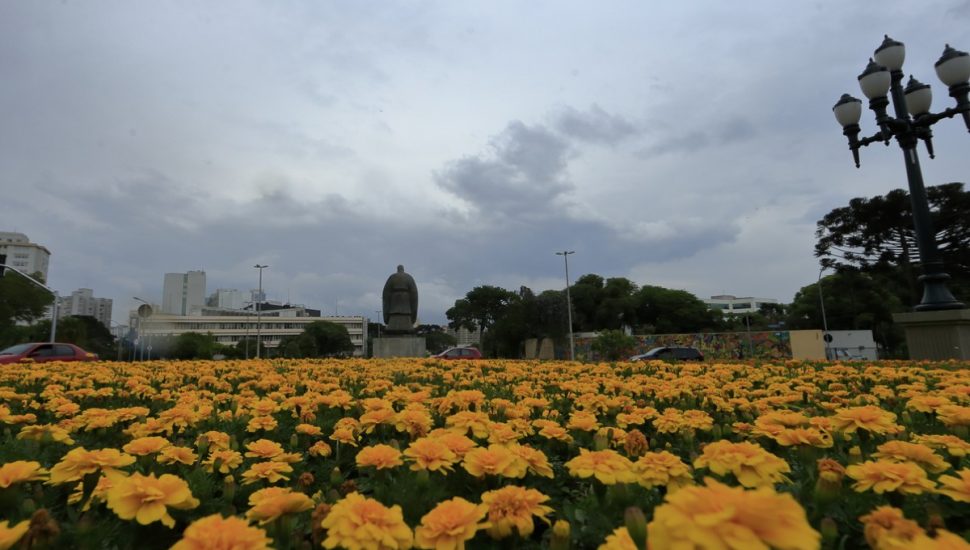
569	304
258	308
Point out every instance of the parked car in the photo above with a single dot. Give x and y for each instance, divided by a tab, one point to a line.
670	353
43	352
460	353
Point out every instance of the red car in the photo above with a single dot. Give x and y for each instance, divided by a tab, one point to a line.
460	353
43	352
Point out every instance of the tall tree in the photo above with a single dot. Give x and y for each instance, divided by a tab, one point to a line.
876	235
669	311
853	300
21	301
480	308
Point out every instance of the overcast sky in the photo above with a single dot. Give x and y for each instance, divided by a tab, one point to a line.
684	144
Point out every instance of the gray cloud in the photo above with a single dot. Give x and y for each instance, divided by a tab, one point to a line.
523	172
594	125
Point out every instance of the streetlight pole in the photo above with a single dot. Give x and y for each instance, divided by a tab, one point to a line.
258	310
821	302
569	304
144	317
884	76
4	267
379	320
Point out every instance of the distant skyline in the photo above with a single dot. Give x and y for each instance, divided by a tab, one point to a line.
688	145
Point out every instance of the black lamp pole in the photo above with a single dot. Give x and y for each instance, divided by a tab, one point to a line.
910	126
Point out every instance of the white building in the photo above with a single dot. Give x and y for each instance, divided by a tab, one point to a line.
728	304
227	298
83	302
229	327
183	293
465	337
24	255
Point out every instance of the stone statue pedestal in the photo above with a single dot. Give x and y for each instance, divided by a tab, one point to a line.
399	346
936	335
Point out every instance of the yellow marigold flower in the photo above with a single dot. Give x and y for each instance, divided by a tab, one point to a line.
718	516
175	454
662	469
883	476
146	445
496	460
146	499
535	460
513	507
456	442
270	471
619	539
927	403
218	533
698	420
885	527
449	524
607	465
813	437
265	423
379	456
320	448
954	415
370	420
432	454
750	463
469	421
215	440
273	502
347	436
9	536
944	540
359	522
902	451
415	421
671	421
635	443
555	431
79	462
222	461
264	449
870	418
830	470
20	471
953	487
502	433
952	444
583	421
40	432
309	429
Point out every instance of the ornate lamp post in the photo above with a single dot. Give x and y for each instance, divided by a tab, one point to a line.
910	125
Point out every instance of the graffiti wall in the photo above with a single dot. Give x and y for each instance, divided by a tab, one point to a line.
715	345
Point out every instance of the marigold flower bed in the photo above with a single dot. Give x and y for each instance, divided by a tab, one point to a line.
484	454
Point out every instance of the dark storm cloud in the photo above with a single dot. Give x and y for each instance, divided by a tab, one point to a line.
594	125
524	172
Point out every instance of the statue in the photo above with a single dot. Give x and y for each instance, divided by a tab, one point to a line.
400	303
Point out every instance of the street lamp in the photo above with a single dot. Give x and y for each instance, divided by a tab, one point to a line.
569	304
821	302
144	313
379	319
911	124
258	300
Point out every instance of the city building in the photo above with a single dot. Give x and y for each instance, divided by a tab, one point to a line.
24	255
227	298
465	337
83	302
183	293
728	304
231	326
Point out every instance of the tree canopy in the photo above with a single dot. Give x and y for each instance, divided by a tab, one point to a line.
876	235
